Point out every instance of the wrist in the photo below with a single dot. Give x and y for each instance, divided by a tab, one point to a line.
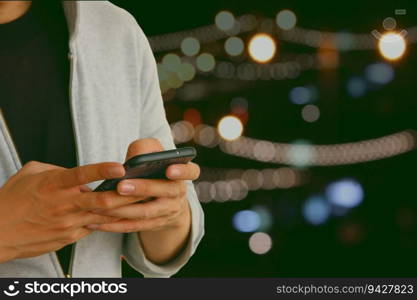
184	218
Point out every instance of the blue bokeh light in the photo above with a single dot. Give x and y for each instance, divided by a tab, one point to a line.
379	73
301	95
346	193
356	87
246	221
316	210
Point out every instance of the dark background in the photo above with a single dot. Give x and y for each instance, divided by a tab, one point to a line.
385	224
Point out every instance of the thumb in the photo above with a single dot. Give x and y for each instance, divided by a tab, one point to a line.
143	146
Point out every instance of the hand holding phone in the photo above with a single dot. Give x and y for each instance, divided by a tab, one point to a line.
150	166
148	205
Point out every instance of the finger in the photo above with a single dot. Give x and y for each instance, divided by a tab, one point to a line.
42	248
152	188
189	171
88	173
34	167
92	218
102	200
128	225
84	189
148	210
143	146
38	248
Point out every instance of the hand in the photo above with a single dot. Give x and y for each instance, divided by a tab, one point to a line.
169	206
45	207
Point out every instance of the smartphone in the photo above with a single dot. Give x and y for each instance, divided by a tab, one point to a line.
150	166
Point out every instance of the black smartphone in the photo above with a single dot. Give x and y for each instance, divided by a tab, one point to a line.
150	165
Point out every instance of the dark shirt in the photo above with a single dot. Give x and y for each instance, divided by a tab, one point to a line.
34	88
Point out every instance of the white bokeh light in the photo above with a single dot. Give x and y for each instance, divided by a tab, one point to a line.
392	45
262	48
230	128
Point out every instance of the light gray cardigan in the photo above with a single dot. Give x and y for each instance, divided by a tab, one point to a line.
115	99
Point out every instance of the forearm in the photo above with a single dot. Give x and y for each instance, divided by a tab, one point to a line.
164	245
7	254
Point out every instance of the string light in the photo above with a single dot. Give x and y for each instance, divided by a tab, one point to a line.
289	69
325	155
205	136
222	185
205	34
262	48
300	153
344	41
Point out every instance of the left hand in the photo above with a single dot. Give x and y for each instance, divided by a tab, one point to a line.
168	206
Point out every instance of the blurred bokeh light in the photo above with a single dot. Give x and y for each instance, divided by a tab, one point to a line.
305	129
230	128
316	210
392	45
286	19
262	48
260	243
345	193
246	221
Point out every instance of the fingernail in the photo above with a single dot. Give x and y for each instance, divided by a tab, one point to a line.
126	188
92	226
175	172
115	172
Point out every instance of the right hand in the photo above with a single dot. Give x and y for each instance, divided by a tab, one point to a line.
45	207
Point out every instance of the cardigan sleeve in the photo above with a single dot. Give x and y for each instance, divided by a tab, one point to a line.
154	125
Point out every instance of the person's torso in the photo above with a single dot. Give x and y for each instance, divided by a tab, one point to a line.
105	108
